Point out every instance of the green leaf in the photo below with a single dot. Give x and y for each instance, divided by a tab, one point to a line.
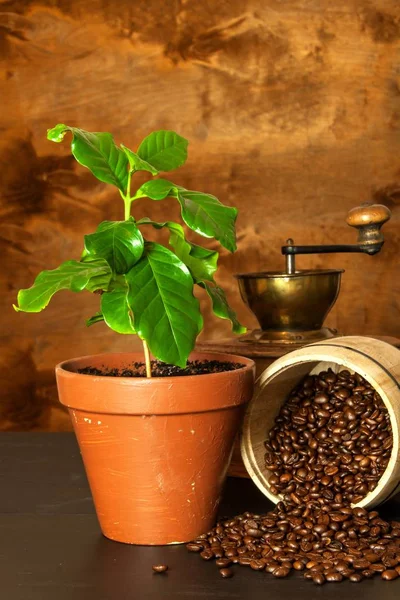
203	213
71	275
206	215
166	314
164	150
221	307
156	189
201	262
97	318
120	243
96	151
116	311
138	164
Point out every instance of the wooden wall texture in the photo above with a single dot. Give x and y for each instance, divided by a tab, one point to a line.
292	109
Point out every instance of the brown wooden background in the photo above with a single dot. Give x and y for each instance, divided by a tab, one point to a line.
292	110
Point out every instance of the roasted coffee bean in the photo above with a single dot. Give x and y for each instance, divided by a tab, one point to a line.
368	573
226	573
194	547
207	554
389	560
320	529
348	572
257	565
281	572
308	575
361	564
333	576
356	577
318	578
267	552
305	546
371	557
378	567
223	562
271	566
341	566
251	524
254	533
331	470
390	574
160	568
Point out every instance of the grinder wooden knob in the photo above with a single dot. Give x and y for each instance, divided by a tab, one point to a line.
368	214
368	219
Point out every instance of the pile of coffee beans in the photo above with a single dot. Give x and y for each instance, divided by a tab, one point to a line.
328	545
330	445
331	441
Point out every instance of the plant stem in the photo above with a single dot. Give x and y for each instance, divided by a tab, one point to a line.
127	197
127	213
147	358
127	203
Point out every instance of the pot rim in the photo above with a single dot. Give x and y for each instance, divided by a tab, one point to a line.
248	363
156	395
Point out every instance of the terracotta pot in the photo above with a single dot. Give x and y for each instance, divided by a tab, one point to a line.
156	451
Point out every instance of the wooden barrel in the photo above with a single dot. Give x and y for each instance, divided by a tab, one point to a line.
376	361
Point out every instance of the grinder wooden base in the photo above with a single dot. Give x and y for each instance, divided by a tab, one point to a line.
263	355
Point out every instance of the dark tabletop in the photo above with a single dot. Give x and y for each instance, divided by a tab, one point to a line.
51	547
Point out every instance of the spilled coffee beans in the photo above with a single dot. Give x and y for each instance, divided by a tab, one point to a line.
330	445
326	545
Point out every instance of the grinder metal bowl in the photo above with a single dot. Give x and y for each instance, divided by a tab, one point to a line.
292	305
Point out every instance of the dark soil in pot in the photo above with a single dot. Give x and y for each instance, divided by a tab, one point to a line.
159	369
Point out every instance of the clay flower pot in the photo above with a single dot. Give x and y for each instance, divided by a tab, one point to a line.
156	451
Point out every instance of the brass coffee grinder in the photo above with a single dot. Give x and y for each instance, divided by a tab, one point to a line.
292	305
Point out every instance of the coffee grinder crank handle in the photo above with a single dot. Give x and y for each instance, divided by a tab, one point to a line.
367	218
